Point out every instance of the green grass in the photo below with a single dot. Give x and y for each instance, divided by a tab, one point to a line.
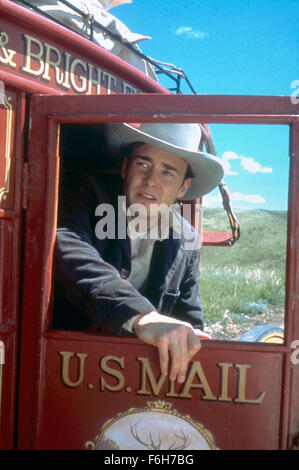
244	285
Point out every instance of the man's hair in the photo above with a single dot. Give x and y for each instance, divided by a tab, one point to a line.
189	173
127	151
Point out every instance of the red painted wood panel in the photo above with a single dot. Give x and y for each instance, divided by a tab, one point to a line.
86	382
249	391
12	111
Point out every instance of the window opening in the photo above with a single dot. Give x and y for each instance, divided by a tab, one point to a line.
243	287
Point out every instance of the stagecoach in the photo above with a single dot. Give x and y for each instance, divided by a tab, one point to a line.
70	390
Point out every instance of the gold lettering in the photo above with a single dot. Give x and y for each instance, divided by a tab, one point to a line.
89	79
126	88
111	80
66	356
241	398
66	83
51	49
76	86
29	54
172	392
97	82
114	373
146	372
82	76
225	366
197	370
7	53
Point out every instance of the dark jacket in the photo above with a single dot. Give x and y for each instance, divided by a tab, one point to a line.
90	274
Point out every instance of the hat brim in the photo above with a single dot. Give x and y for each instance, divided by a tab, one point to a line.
206	168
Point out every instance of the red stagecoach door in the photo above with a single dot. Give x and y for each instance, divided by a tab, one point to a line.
80	390
12	111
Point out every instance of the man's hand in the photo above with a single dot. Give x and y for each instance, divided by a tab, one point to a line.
173	338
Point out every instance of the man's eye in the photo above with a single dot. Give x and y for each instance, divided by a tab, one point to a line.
168	173
143	164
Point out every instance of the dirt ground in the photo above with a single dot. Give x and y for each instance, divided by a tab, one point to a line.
233	327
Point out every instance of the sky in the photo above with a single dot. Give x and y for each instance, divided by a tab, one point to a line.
244	47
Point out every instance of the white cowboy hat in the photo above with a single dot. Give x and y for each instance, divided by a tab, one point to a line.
181	139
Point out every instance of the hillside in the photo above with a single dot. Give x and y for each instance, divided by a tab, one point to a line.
244	285
262	243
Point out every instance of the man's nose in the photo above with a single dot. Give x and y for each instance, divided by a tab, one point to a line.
152	177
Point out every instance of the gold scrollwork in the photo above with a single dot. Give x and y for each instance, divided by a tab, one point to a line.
6	101
159	406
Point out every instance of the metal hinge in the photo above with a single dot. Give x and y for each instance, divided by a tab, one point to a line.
26	185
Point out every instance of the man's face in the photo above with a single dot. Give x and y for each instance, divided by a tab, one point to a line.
153	176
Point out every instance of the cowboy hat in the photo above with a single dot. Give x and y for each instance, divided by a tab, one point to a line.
181	139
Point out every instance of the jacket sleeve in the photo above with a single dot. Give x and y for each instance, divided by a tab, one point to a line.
83	277
188	306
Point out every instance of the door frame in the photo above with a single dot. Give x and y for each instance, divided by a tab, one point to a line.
46	114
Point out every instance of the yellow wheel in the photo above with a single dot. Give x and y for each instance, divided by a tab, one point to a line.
264	334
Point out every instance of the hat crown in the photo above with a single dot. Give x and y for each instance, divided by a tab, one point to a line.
181	139
185	136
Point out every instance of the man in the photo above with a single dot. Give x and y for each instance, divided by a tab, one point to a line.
131	282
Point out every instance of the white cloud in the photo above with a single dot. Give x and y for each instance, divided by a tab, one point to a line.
248	163
215	201
211	201
229	155
225	163
252	198
254	167
190	33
